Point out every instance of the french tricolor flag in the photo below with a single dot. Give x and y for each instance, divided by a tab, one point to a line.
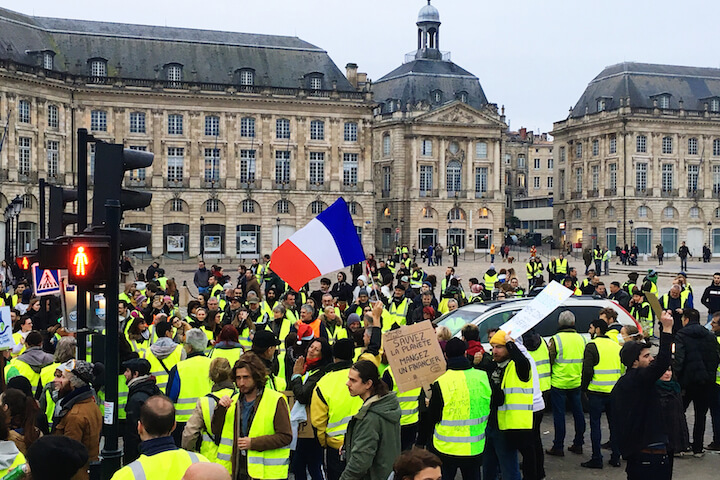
328	243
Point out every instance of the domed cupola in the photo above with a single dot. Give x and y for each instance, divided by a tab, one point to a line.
428	33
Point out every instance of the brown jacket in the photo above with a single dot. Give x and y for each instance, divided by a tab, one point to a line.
252	285
281	423
83	423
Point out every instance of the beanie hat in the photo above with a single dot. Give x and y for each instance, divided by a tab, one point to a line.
363	291
140	299
353	318
304	331
167	298
652	273
79	368
21	383
477	288
56	456
455	347
498	338
140	365
344	349
633	276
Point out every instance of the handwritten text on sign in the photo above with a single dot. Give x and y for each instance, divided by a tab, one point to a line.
414	355
540	307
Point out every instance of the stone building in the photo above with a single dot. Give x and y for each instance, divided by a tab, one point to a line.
253	135
437	146
638	160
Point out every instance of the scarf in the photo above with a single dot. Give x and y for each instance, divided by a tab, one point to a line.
310	364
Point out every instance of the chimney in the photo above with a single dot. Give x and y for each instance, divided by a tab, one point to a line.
351	70
523	133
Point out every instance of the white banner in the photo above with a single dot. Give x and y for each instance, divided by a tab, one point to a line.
540	307
6	338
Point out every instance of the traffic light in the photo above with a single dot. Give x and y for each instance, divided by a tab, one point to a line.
59	197
113	161
88	260
24	262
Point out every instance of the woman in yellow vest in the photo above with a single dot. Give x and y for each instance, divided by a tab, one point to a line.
245	327
10	455
227	345
138	335
212	326
197	435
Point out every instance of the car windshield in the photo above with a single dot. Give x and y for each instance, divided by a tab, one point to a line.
459	318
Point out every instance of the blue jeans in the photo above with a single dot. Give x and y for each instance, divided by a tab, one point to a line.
597	404
558	397
203	290
499	455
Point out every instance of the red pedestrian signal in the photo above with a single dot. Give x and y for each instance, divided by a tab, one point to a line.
88	260
23	263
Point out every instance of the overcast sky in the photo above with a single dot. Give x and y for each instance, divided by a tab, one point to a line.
533	57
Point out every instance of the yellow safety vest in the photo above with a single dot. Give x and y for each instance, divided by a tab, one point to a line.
339	333
466	408
139	347
216	291
608	370
194	383
47	374
17	337
561	266
232	354
717	374
646	322
408	402
567	370
156	368
19	460
490	281
170	465
517	411
341	406
396	314
208	448
416	279
24	370
270	464
530	270
123	390
541	356
613	335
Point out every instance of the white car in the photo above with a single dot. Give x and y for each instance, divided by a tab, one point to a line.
490	315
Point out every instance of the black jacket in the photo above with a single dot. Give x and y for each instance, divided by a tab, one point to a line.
696	355
621	297
711	298
636	404
138	393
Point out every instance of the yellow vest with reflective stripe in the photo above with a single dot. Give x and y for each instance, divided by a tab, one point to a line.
270	464
23	370
156	368
232	354
466	408
17	337
613	334
276	382
19	460
608	370
122	397
490	281
542	362
567	370
194	383
207	406
339	333
168	465
561	266
47	375
341	406
517	411
396	314
408	402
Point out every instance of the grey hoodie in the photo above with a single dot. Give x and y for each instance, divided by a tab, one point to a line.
163	347
36	358
8	453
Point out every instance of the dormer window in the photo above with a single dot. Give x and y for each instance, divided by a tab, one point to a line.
315	81
390	105
48	58
98	68
462	96
174	74
247	77
715	105
663	101
601	105
437	96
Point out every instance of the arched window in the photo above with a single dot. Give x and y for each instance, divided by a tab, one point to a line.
456	214
248	206
317	207
668	212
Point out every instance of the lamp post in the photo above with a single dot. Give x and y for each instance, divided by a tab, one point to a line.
709	234
11	213
632	242
277	222
202	238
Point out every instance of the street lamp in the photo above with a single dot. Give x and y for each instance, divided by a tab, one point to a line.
202	238
11	213
277	221
632	241
709	234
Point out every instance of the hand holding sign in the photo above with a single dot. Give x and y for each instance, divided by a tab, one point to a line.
414	354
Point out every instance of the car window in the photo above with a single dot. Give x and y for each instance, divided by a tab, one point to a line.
456	320
494	321
584	314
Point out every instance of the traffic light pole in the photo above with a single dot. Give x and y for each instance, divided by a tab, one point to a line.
42	208
82	205
111	454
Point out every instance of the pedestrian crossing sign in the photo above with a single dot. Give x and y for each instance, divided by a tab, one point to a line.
45	281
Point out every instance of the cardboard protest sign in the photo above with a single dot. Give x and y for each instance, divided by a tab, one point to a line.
654	304
540	307
6	338
414	355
